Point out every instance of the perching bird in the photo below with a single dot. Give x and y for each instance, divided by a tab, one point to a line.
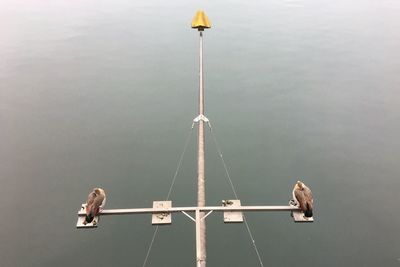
96	199
303	197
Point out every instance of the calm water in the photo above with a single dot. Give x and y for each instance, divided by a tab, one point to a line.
102	93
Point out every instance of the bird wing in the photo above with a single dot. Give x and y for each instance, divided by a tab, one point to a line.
301	199
98	201
90	201
308	197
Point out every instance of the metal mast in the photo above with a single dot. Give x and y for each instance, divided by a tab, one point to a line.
200	22
162	210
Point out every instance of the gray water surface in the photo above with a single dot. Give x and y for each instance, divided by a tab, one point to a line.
103	93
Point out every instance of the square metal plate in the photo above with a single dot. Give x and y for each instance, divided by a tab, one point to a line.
298	216
81	219
232	216
161	217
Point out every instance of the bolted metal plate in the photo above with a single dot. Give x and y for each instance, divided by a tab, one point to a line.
161	217
81	219
232	216
298	216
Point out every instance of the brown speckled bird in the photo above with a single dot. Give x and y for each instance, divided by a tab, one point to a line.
303	197
95	201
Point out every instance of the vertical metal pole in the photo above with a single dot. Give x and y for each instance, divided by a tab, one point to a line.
198	238
201	252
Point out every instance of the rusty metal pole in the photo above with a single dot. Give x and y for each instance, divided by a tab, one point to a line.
201	201
200	22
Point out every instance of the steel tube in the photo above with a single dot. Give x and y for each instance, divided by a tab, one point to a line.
191	209
201	257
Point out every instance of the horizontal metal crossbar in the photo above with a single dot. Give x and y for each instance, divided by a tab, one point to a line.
192	209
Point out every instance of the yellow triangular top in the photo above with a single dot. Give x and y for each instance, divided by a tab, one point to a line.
200	21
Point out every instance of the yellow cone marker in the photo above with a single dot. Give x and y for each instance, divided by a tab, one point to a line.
200	21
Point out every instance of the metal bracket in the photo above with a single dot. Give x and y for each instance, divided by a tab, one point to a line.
208	213
81	219
201	117
232	216
298	215
187	215
161	217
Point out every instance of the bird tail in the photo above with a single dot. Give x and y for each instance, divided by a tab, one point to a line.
89	218
309	211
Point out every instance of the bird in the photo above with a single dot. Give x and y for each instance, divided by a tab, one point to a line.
302	195
95	201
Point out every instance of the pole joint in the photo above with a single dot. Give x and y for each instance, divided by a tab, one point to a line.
201	117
